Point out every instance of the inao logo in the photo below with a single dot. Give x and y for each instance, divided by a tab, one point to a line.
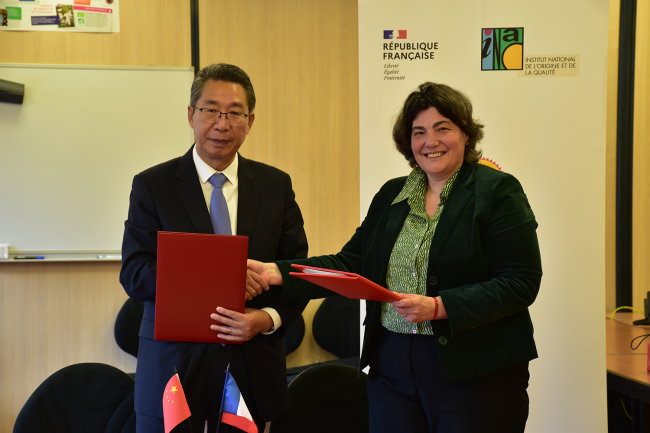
394	34
502	49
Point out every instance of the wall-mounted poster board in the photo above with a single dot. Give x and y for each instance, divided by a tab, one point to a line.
68	154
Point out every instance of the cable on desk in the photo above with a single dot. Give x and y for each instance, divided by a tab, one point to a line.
635	338
626	308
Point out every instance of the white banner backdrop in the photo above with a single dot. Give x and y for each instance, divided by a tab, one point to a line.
545	124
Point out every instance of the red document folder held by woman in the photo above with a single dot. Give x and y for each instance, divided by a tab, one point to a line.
350	285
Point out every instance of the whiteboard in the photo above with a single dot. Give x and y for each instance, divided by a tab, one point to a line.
68	154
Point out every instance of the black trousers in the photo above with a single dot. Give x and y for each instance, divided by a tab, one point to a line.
203	381
409	392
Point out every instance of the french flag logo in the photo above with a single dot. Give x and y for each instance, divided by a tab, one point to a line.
235	411
394	34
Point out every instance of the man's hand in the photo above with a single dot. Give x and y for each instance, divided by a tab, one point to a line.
417	308
262	274
255	284
234	326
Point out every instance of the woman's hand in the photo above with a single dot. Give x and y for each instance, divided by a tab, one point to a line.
418	308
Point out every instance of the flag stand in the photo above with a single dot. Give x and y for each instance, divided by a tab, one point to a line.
223	397
188	419
175	408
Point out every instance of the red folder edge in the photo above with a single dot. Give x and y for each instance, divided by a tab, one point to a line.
350	285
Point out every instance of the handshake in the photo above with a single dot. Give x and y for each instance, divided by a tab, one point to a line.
259	276
413	308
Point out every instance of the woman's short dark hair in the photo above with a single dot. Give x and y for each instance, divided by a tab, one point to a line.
449	102
223	72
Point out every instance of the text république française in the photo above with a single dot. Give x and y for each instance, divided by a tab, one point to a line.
409	51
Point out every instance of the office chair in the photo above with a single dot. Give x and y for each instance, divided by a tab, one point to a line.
294	335
80	398
326	398
127	326
336	329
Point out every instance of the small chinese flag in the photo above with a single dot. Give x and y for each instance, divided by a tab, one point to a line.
175	408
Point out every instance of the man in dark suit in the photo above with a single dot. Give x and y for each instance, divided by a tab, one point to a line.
178	196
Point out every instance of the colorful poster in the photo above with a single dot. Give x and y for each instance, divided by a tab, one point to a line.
95	16
502	49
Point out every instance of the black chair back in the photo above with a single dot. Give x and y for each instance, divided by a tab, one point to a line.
336	326
80	398
326	398
294	336
127	326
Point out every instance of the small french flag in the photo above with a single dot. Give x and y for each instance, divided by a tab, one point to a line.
235	411
394	34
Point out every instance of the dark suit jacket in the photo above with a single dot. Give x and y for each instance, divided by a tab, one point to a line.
484	263
169	197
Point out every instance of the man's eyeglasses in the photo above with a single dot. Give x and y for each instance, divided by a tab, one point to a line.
211	115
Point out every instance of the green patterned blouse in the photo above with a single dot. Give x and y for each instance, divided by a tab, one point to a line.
408	264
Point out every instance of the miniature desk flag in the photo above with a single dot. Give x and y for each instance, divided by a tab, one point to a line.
175	408
233	407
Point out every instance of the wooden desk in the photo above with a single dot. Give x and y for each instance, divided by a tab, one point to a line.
624	364
630	367
627	370
620	332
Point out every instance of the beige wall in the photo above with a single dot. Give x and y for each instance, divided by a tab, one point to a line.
610	165
307	117
57	314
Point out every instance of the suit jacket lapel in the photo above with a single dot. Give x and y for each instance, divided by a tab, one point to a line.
188	188
461	193
249	197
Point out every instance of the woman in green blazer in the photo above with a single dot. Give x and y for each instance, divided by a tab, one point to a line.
457	240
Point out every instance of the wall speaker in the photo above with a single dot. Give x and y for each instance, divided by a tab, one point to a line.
11	92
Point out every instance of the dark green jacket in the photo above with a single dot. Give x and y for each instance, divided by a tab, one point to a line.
484	263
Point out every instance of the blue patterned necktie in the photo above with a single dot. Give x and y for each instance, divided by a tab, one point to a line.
218	207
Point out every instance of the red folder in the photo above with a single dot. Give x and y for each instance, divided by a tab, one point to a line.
196	273
350	285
